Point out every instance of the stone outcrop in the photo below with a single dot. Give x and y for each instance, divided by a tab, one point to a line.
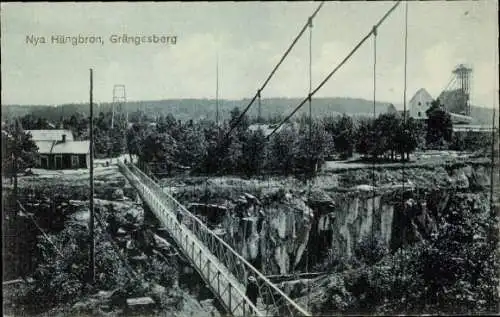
282	232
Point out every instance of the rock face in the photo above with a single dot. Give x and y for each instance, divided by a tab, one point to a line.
211	212
273	234
353	218
276	238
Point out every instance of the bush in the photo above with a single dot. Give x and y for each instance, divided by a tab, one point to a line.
454	272
371	249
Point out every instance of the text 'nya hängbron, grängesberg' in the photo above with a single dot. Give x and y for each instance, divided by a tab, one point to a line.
116	39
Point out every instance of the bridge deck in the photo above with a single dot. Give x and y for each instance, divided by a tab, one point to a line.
217	277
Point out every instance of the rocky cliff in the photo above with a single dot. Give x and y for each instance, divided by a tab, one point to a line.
285	228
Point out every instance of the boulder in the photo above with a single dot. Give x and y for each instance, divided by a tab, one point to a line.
479	178
118	194
139	258
121	232
104	295
140	302
364	187
77	203
252	198
158	292
460	180
241	200
86	305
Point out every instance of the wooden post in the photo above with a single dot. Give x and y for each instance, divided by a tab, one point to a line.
230	291
218	281
208	272
91	218
492	174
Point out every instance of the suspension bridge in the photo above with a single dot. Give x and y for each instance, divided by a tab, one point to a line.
220	266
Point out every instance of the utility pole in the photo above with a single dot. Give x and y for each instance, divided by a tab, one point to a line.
15	166
259	114
492	173
217	90
91	202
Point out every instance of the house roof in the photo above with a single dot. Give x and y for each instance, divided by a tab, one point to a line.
266	128
44	147
459	118
473	127
421	94
50	135
72	147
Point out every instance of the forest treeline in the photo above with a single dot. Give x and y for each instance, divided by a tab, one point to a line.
300	146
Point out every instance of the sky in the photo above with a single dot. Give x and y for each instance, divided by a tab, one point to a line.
248	39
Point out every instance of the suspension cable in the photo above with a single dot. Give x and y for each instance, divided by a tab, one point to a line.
259	117
310	78
30	216
327	78
374	31
275	69
310	143
374	108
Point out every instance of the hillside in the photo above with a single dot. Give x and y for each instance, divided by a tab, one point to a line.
198	109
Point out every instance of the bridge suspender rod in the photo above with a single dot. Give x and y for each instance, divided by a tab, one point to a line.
276	68
327	78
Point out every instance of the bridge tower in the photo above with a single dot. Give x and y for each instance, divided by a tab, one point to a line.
119	99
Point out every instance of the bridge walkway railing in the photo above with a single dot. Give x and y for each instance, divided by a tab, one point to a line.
222	268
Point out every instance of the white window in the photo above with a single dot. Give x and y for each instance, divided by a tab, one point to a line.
74	161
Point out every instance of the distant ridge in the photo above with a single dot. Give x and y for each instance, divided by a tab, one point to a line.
199	109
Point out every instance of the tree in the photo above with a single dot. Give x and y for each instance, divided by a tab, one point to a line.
453	271
232	154
192	148
282	150
388	127
471	141
118	141
343	137
341	129
312	146
135	138
18	150
439	125
159	149
244	122
253	152
216	149
366	139
407	138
